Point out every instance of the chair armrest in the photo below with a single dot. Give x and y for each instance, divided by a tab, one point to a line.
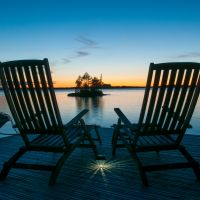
124	119
76	118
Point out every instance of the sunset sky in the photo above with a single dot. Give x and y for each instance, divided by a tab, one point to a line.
115	38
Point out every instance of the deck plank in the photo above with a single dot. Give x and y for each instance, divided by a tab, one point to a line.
80	177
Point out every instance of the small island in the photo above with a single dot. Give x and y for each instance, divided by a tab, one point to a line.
88	86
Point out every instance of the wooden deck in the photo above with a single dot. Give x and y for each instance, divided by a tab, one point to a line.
84	178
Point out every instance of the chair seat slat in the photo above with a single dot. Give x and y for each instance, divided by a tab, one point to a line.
48	140
73	132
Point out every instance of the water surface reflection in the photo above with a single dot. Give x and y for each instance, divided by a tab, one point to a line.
101	108
95	105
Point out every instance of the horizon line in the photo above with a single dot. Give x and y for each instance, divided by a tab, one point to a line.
111	87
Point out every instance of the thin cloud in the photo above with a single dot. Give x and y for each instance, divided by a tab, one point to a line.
82	53
189	55
66	60
78	55
88	43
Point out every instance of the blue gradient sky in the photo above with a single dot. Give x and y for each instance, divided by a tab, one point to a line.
118	38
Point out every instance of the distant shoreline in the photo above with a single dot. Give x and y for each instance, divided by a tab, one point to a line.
112	87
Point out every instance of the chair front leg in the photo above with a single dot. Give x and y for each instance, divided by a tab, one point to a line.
58	166
89	137
115	136
97	133
8	165
114	140
195	164
141	169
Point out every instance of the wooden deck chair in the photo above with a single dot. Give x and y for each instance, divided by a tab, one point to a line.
30	95
170	97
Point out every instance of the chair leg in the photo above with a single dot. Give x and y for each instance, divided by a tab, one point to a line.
136	158
195	164
58	167
94	148
97	133
95	128
89	137
141	170
114	141
8	165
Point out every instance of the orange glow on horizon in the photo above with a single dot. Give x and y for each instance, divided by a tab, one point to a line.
117	79
137	82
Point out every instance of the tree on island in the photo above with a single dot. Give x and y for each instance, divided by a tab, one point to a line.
87	85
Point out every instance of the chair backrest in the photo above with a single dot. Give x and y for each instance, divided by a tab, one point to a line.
30	95
171	93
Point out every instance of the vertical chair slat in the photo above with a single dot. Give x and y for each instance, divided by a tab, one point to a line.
27	97
167	99
11	103
171	106
191	109
52	93
20	95
181	99
152	99
188	97
37	117
14	97
39	94
193	102
9	97
146	94
54	101
47	96
161	96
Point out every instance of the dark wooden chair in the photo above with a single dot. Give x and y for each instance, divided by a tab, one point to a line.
171	94
30	95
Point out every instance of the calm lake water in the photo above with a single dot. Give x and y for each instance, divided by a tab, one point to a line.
101	108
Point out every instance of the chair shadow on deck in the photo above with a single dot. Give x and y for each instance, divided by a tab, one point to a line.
171	94
30	94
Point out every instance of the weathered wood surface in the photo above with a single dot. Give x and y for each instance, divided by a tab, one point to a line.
81	178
